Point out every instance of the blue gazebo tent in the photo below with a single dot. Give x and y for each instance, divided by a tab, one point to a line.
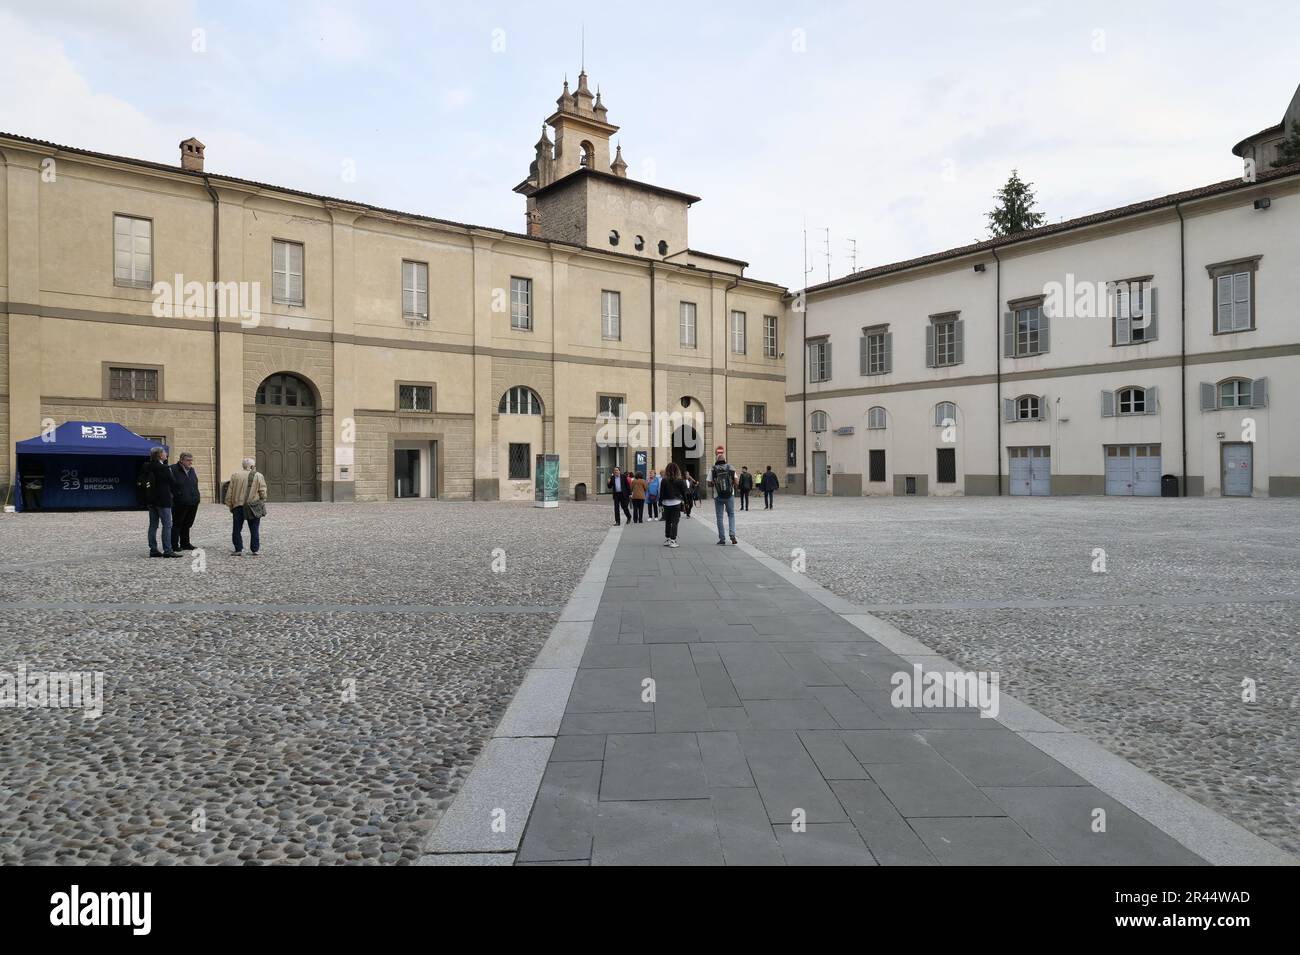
81	465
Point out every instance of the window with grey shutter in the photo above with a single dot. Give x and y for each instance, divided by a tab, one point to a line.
1152	404
133	252
1151	332
1259	393
1044	333
826	361
1108	404
1009	335
1009	409
415	291
958	341
1232	302
286	272
611	326
875	357
1123	335
929	345
1209	397
889	353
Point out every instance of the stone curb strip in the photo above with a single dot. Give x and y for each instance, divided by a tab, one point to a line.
485	822
1218	840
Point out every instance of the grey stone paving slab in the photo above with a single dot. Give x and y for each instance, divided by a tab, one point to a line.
715	683
760	673
724	761
999	758
651	766
564	812
811	669
607	657
743	828
973	841
788	715
578	724
824	844
729	718
1061	820
500	789
833	758
889	836
847	708
788	779
889	746
666	832
930	788
578	748
613	690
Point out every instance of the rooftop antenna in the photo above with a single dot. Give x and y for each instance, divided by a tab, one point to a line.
582	48
827	243
853	255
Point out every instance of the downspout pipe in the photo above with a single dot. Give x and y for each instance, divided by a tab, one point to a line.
216	338
653	405
726	358
803	361
1182	335
997	358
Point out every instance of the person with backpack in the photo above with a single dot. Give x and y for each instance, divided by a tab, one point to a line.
652	496
672	495
722	478
638	498
769	484
246	498
688	499
745	484
156	486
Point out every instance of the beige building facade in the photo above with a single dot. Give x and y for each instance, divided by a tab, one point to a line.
365	354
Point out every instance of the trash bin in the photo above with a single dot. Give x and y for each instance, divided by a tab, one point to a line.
580	492
1169	485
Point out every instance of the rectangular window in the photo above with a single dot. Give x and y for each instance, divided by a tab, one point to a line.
875	357
610	326
738	333
415	397
521	304
521	464
819	361
686	325
132	252
133	384
791	452
609	406
876	465
415	291
1232	302
1028	330
769	336
286	272
945	466
945	342
1236	393
755	414
1133	323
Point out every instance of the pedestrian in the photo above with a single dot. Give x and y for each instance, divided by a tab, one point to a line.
688	499
652	496
745	484
620	489
186	507
159	487
672	496
638	498
769	484
722	478
246	498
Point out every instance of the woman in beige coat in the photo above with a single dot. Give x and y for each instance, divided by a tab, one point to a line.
246	489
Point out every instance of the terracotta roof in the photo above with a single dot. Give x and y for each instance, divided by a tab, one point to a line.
1137	208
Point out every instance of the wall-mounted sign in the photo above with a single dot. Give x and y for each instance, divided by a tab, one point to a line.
845	431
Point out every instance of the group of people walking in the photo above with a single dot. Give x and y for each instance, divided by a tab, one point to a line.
171	492
670	496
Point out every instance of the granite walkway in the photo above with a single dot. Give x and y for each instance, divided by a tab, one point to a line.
716	708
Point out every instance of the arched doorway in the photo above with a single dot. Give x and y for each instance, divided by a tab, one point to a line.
687	450
521	434
286	438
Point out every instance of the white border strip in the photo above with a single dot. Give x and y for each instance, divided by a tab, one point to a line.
1215	838
508	773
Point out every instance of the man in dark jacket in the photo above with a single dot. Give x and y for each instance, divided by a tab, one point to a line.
620	488
160	485
769	484
745	484
186	506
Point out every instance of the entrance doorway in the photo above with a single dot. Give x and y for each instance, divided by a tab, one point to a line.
687	450
607	458
1031	471
286	438
1238	469
819	472
414	469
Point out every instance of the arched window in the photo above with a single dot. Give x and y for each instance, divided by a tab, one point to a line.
520	400
586	159
817	422
613	237
286	391
1132	401
639	243
1029	408
1236	393
663	247
876	418
945	414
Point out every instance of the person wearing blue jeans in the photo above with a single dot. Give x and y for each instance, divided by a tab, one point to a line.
159	484
245	487
722	478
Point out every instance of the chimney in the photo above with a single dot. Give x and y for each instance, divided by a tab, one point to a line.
192	155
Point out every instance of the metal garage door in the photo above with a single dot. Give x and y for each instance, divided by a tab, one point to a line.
1238	469
1031	471
1133	470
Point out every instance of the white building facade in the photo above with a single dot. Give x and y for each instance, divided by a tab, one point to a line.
1153	347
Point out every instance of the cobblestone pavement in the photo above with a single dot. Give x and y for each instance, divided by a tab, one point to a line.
1147	659
226	736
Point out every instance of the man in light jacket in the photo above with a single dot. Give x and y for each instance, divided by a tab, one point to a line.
245	486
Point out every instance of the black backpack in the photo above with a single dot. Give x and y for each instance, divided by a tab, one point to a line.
722	483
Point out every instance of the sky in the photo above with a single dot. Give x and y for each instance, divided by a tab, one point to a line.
888	124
